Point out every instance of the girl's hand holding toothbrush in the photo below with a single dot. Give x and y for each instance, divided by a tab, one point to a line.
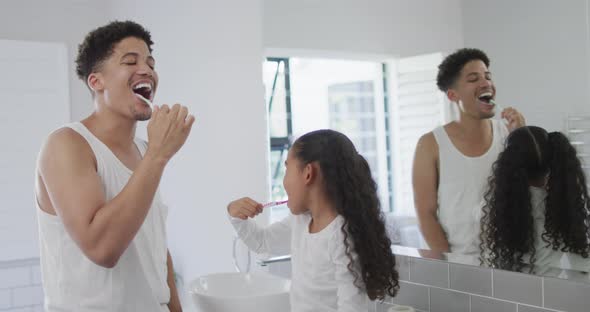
244	208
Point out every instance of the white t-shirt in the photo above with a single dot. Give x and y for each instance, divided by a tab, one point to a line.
320	278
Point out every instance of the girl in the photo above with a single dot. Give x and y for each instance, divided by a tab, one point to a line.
340	252
537	206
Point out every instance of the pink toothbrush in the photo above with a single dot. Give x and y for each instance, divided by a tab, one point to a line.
274	203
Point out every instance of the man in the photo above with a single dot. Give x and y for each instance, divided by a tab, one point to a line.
453	162
101	219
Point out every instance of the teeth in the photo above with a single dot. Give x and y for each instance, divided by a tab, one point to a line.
143	85
485	94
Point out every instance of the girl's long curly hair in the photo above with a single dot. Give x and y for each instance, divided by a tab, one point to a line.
507	227
352	190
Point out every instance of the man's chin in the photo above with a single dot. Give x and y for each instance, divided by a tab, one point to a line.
487	116
143	117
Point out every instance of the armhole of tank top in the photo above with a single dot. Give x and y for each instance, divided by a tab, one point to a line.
438	134
141	145
437	137
91	145
441	138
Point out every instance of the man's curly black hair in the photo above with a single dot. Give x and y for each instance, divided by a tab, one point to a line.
350	186
99	43
507	227
450	68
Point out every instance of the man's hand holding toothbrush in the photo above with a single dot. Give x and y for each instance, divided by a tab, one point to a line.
168	130
514	118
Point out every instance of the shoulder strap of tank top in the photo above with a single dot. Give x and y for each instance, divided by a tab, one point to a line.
441	137
98	148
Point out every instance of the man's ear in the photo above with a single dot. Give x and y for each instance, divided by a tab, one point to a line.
95	82
452	95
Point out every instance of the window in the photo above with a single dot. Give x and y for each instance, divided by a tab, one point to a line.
277	87
418	107
354	97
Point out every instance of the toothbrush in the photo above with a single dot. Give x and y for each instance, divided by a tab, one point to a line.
499	107
149	103
274	203
496	104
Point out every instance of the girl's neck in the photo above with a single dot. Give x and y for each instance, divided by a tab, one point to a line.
539	182
322	212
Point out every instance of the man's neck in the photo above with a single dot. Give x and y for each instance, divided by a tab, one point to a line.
111	128
474	128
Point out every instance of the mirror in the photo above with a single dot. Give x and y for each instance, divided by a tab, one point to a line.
540	67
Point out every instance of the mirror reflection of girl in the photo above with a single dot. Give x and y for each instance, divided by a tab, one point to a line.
537	207
340	252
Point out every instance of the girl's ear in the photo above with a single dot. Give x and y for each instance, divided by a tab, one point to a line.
310	172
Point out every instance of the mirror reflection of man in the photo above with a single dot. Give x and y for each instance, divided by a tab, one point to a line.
453	162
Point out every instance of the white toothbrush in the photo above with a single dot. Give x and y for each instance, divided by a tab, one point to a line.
497	105
149	103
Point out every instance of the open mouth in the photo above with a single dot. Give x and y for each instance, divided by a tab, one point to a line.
486	98
144	89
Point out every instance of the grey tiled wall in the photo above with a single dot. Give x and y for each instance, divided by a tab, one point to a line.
433	286
20	286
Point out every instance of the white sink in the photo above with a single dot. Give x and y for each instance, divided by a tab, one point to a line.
243	292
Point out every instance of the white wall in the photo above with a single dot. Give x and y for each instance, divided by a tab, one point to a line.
33	87
396	28
539	54
209	57
64	21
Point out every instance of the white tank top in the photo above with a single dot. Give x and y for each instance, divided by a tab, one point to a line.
72	282
462	183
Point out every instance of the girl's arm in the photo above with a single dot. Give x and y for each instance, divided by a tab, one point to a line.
274	239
